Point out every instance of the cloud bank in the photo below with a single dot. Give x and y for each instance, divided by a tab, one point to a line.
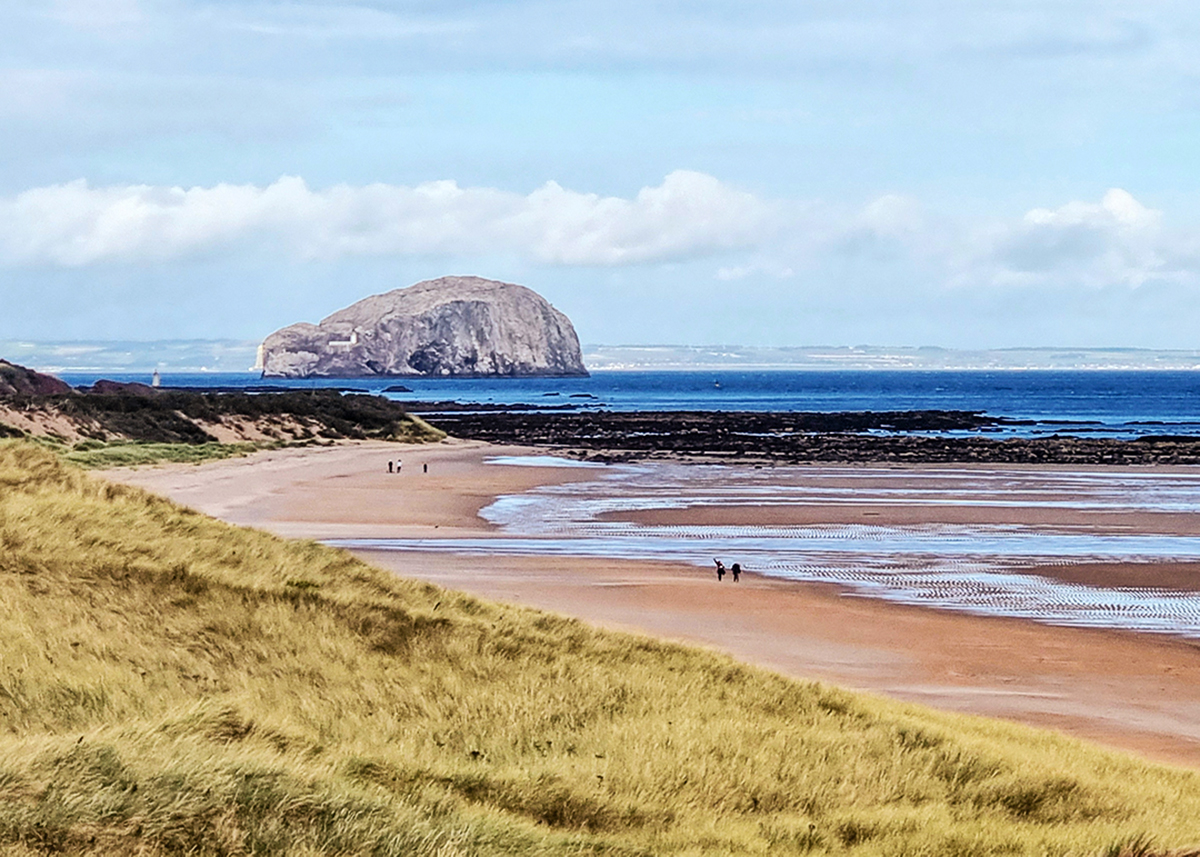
75	224
1116	241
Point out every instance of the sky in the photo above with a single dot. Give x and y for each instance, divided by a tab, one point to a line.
1001	173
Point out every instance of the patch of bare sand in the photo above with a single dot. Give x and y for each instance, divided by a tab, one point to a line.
40	421
1137	692
346	491
240	429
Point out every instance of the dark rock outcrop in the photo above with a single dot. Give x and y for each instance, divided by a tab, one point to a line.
797	438
453	326
18	381
104	387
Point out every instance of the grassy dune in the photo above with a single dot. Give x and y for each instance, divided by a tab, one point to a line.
124	426
99	454
173	685
94	454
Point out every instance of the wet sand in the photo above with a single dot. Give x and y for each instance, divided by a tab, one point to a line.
1133	691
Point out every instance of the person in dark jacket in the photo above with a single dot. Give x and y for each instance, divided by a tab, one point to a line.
736	569
720	570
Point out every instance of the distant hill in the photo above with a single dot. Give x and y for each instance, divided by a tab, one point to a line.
452	326
870	357
123	356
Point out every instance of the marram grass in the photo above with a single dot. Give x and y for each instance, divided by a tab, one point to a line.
98	454
173	685
130	451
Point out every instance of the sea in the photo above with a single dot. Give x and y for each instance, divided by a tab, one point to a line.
1118	404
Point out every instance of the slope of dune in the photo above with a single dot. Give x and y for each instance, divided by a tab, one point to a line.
170	684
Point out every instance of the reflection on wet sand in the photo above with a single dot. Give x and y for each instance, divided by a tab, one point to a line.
815	533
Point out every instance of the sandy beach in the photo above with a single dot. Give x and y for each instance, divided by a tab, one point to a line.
1139	692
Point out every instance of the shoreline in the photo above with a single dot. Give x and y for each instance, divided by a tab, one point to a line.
1134	691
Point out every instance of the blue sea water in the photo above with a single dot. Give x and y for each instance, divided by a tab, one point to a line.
1112	403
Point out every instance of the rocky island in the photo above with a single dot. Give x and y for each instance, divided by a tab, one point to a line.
451	326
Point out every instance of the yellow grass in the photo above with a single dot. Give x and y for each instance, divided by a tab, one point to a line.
173	685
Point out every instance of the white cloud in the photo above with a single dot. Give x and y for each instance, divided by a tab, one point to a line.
886	227
1115	241
1080	245
1118	209
893	216
689	214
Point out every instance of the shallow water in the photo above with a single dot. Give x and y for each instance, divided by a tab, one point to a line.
971	568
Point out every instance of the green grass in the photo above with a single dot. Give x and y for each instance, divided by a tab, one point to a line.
413	429
98	454
101	455
173	685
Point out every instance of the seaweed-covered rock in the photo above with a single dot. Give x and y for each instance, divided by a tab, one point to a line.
464	326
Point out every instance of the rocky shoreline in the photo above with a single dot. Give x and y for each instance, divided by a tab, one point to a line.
797	438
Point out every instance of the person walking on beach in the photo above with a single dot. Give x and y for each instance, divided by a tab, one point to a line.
720	570
391	466
736	568
425	468
399	464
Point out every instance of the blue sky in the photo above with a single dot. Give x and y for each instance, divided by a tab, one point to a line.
973	175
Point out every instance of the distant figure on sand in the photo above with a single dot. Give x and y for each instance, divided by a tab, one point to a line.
391	466
737	571
399	464
425	468
720	570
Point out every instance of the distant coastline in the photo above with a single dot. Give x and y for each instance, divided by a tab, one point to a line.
166	355
878	358
235	355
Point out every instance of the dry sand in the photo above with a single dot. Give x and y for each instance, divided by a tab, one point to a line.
1133	691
